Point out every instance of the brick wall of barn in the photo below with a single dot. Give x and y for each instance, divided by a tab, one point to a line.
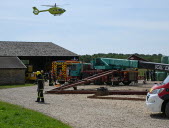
12	76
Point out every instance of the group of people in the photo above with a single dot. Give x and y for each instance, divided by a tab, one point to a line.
150	75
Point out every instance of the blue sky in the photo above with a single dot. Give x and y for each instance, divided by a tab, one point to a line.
91	26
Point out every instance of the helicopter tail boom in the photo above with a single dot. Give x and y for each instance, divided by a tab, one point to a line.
35	11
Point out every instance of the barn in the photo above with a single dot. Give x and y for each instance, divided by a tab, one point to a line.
38	54
16	58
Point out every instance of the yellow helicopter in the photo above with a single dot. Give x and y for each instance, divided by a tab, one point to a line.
54	10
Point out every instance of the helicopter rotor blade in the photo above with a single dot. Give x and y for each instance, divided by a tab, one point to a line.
48	5
54	5
63	4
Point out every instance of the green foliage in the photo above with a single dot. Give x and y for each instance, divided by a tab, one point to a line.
13	116
14	86
152	58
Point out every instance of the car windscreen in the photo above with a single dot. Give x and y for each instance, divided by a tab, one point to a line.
166	80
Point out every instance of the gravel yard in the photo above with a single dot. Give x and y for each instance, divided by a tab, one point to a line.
82	112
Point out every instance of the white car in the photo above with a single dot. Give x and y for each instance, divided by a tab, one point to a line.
157	99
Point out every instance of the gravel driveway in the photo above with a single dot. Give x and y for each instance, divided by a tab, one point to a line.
81	112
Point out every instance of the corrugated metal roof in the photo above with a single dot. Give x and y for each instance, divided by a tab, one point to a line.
11	62
12	48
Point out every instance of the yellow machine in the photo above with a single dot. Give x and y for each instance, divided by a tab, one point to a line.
60	70
30	76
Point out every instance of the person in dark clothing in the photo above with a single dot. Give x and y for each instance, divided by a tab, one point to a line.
147	75
40	88
153	75
50	79
54	78
144	81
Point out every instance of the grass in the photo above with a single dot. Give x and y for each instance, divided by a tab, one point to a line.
15	86
13	116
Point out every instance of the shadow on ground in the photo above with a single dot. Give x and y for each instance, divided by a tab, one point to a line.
159	116
43	103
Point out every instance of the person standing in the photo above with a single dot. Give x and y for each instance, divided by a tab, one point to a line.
154	75
148	75
50	79
54	77
40	87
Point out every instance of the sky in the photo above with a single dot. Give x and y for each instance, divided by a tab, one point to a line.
90	26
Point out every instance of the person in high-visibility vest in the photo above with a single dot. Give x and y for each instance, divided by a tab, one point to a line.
40	88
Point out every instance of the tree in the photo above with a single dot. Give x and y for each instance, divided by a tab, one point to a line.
152	58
